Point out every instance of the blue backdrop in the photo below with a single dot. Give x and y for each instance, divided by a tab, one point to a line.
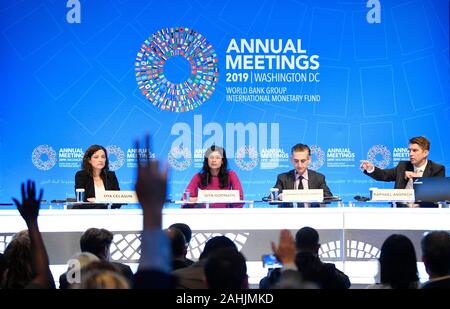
353	79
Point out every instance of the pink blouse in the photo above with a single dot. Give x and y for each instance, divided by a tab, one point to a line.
233	181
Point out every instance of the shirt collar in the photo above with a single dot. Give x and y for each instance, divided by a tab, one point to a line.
422	167
305	174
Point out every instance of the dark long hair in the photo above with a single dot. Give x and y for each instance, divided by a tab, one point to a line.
398	263
86	166
205	173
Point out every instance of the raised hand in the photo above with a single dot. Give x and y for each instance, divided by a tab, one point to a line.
286	250
151	186
29	208
366	165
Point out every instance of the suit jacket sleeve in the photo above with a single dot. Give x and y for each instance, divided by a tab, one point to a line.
389	174
323	185
280	184
440	170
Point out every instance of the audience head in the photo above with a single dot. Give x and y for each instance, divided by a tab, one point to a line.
215	160
96	241
226	269
216	243
398	263
178	243
95	157
185	229
419	147
436	253
18	262
104	279
307	239
300	157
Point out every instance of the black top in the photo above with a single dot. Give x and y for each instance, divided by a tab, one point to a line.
86	182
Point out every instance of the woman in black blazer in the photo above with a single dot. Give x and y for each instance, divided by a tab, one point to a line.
95	175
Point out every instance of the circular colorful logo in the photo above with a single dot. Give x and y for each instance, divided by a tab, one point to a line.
317	157
379	150
116	151
241	161
180	96
179	158
43	157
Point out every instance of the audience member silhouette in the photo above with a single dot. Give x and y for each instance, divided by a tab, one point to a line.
154	270
436	257
312	269
187	232
303	253
398	264
178	245
77	262
28	265
98	242
226	268
192	277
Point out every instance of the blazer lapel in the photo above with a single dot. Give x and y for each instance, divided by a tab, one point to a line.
427	171
291	179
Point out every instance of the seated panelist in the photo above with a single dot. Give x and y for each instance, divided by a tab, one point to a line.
403	174
95	176
301	177
215	176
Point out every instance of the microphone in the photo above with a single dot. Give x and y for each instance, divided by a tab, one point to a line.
361	198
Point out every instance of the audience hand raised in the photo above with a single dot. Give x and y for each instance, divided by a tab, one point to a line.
285	252
151	186
29	208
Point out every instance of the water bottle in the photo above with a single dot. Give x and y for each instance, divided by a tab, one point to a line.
80	195
186	196
274	194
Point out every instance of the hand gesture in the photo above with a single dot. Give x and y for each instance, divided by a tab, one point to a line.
29	208
151	186
286	250
366	165
410	175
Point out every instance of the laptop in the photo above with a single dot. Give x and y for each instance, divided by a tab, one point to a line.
432	189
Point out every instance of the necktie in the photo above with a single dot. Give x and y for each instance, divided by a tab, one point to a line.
300	183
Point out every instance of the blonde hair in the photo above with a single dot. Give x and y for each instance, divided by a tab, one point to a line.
101	279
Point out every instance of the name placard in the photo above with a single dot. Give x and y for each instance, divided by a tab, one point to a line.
117	197
210	196
306	195
392	195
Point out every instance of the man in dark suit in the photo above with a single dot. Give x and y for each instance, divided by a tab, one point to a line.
403	174
301	177
436	258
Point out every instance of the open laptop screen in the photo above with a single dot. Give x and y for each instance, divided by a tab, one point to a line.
432	189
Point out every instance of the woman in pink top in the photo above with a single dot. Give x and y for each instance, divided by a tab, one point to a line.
215	176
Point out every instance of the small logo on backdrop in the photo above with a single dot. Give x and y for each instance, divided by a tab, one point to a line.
377	151
400	154
241	160
133	155
117	153
272	157
317	157
179	158
43	157
177	69
340	157
70	157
